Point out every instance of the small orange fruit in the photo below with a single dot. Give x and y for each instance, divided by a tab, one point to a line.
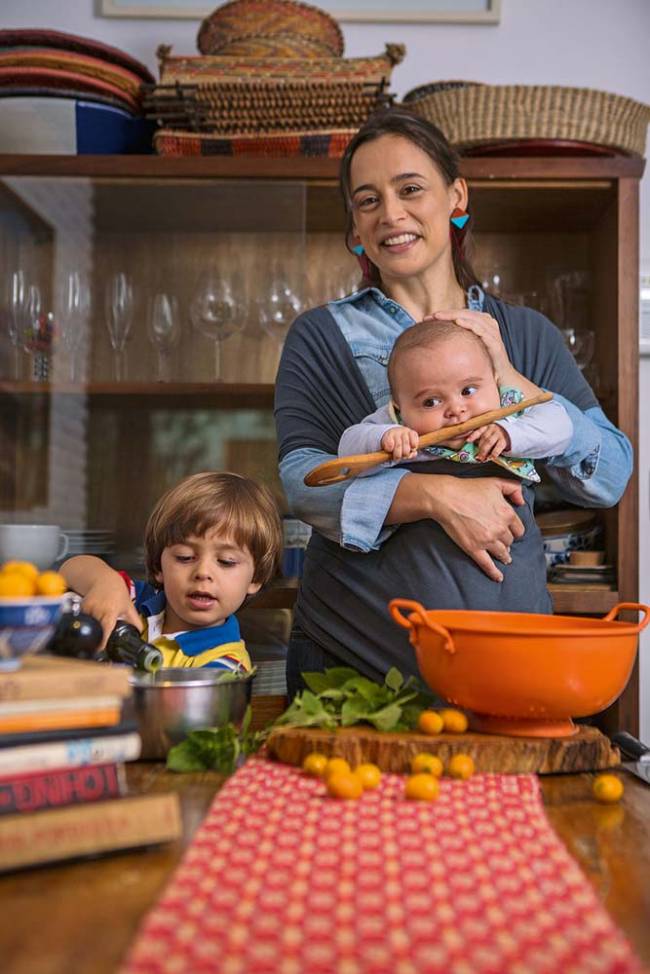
315	764
15	585
26	567
460	766
430	722
422	787
369	775
50	583
607	788
336	764
454	721
429	763
344	784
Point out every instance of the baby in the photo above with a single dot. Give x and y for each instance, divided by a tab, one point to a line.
441	374
210	542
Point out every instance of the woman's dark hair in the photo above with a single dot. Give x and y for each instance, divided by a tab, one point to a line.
426	136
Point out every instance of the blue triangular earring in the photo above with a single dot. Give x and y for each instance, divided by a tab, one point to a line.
459	218
358	249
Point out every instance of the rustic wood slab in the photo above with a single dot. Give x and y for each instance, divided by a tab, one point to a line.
588	750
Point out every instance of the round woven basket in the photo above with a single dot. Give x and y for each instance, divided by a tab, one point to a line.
249	18
473	113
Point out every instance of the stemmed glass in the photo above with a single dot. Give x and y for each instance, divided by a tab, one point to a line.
279	305
37	333
75	307
119	304
164	329
218	309
16	311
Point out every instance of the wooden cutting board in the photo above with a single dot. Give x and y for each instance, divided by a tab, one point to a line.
588	750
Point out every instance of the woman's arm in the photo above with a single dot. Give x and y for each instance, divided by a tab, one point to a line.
477	514
105	596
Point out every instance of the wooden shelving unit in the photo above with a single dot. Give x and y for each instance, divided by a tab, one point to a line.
161	215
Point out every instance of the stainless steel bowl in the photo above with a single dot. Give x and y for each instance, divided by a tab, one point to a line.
172	702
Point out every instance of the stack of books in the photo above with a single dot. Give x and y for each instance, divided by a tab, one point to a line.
65	735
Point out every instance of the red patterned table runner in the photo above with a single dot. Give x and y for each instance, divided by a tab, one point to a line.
281	879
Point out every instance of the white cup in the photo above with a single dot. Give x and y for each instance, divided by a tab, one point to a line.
42	544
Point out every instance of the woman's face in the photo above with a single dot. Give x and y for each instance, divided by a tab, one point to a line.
401	207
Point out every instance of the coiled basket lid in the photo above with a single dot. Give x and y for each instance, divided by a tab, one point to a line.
240	27
470	113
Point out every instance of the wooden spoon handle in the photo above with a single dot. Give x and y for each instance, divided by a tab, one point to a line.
342	468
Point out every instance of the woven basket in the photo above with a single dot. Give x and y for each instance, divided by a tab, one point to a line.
248	18
215	68
323	144
253	107
286	44
478	113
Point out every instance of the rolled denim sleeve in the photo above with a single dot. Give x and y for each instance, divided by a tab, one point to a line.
596	466
351	513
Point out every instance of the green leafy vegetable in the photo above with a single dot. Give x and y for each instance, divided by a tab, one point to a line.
341	697
219	749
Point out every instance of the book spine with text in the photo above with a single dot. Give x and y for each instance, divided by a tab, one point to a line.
46	677
69	754
69	786
89	829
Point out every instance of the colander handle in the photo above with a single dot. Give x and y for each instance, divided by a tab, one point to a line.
418	610
635	607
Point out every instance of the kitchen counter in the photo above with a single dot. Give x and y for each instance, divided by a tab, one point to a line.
80	918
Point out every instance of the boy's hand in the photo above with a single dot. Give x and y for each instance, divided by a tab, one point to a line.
401	442
492	441
108	600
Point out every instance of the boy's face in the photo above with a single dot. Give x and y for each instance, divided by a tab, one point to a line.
444	385
205	580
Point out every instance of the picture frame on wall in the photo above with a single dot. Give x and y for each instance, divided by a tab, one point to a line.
386	11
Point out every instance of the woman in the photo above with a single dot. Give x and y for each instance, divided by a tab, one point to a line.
445	535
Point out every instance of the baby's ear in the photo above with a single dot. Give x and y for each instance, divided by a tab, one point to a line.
253	588
159	578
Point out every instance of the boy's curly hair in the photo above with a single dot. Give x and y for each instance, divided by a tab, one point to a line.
242	509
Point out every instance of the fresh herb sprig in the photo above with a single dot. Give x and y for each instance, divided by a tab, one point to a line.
341	697
220	749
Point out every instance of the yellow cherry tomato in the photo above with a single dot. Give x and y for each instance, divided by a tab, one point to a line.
430	722
50	583
336	764
607	788
344	784
16	585
315	764
454	721
429	763
460	766
26	567
422	787
369	775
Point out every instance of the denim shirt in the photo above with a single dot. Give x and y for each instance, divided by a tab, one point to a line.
592	472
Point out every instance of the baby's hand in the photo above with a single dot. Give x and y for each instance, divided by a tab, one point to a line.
401	442
492	441
109	601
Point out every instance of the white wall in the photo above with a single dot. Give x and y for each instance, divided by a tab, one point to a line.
588	43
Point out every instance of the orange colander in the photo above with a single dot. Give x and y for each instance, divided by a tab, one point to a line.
523	674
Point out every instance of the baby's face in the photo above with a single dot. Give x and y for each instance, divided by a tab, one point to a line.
447	384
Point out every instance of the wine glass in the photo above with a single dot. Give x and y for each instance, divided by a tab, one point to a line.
279	306
119	304
16	310
74	310
164	329
37	333
218	309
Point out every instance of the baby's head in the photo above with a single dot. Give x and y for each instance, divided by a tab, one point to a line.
441	374
210	541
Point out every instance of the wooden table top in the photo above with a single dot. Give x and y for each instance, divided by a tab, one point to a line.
80	918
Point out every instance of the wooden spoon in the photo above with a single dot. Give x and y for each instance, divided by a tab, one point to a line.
342	468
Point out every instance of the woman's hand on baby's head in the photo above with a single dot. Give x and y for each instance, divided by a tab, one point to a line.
401	442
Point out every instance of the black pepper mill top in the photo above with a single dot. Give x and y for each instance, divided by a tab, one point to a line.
125	645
